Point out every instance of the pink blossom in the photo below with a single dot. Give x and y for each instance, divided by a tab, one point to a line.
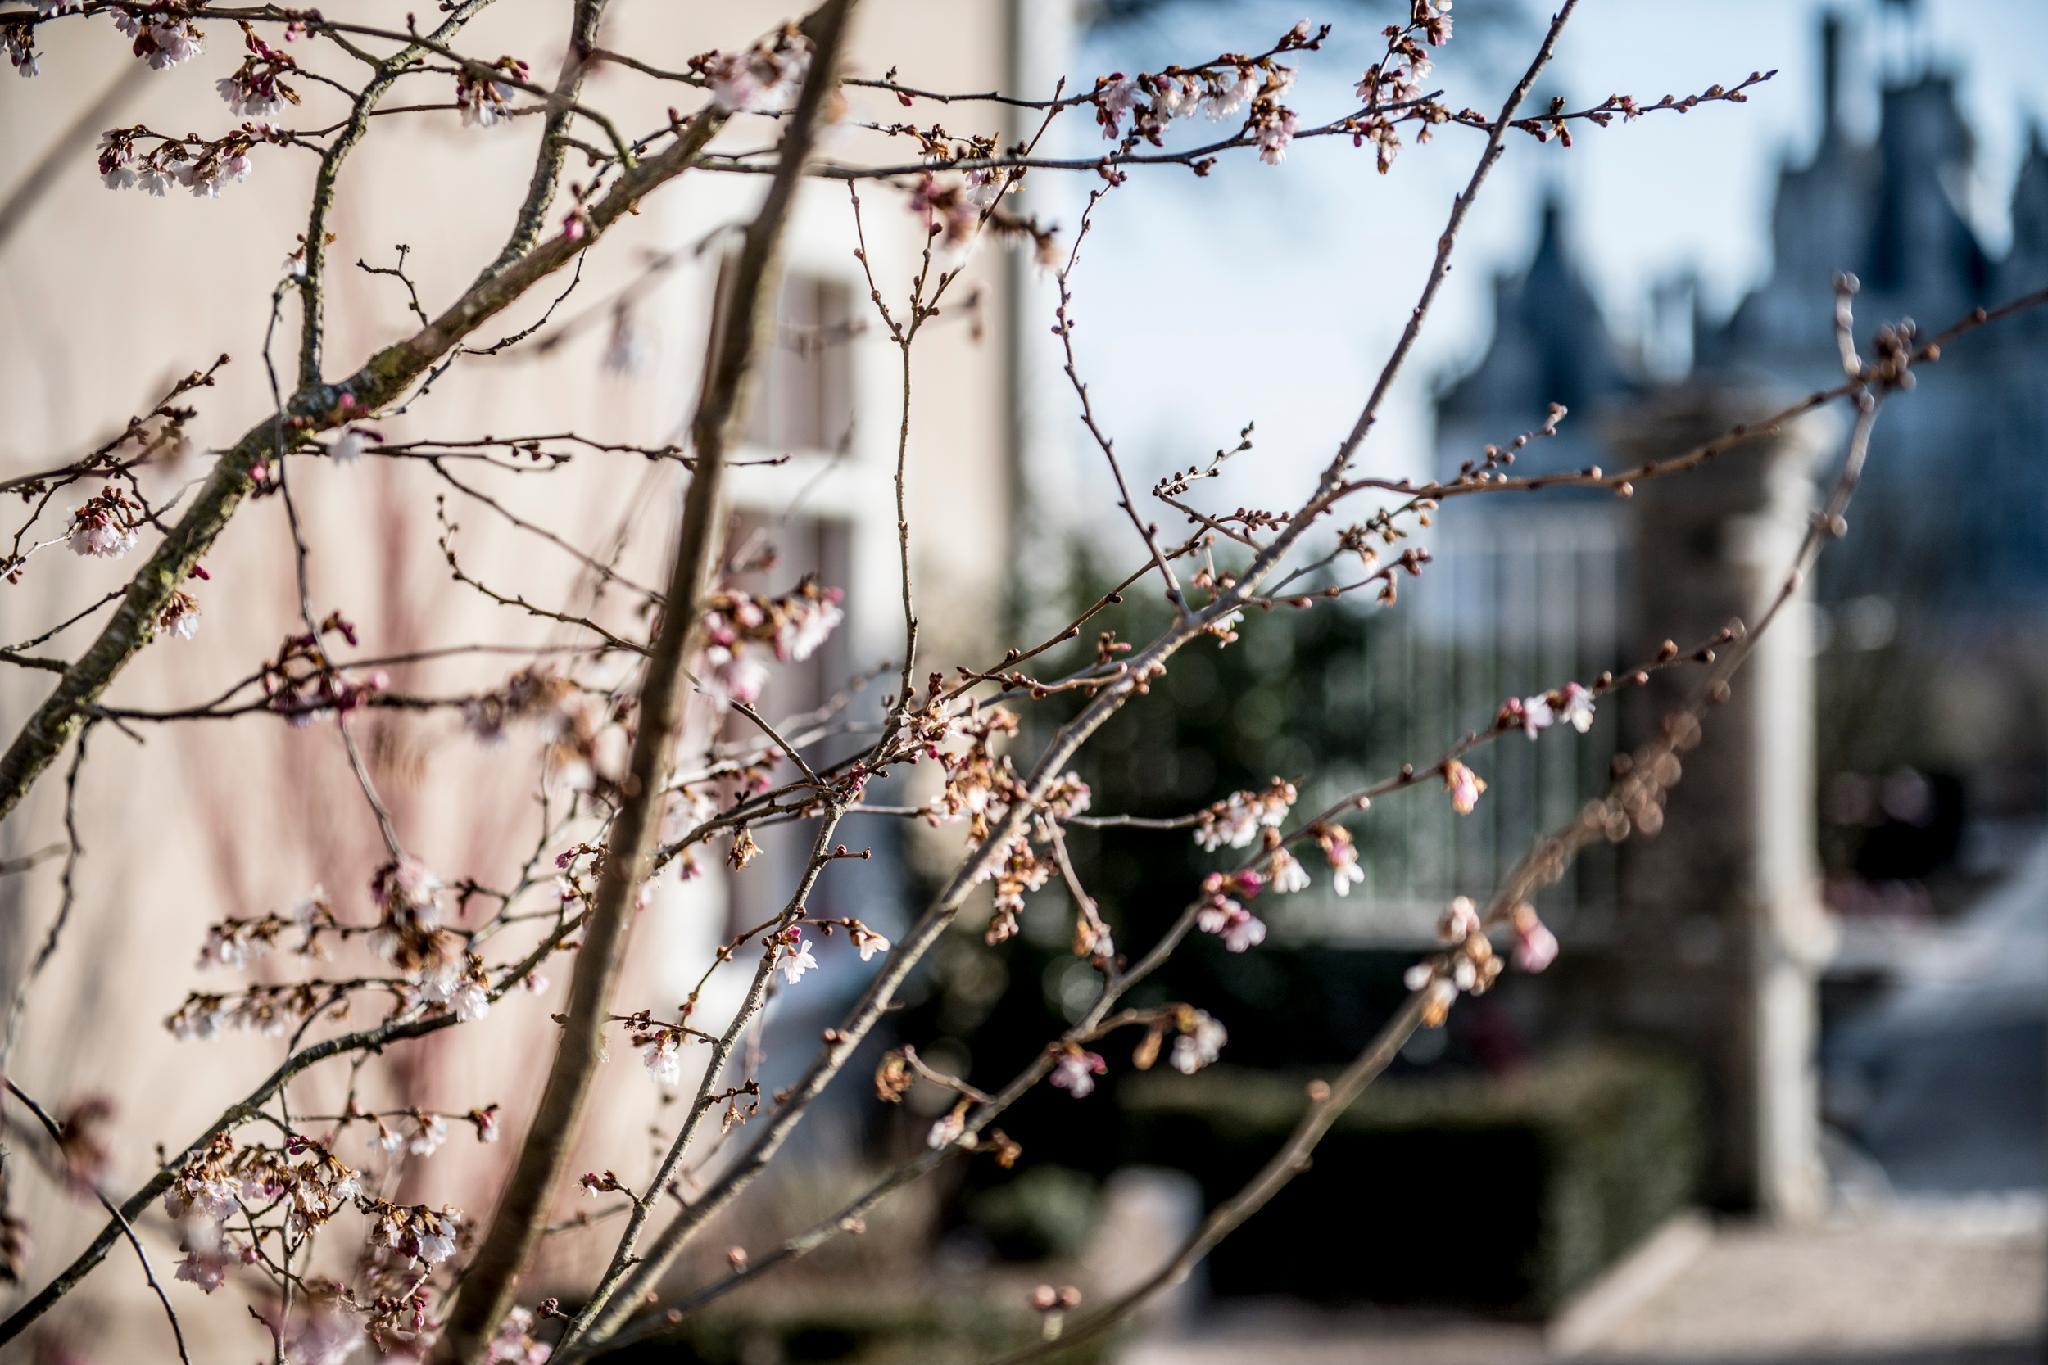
1464	785
208	1270
1076	1070
1239	929
1535	946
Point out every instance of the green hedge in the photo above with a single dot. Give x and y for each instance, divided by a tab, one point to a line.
1507	1194
806	1327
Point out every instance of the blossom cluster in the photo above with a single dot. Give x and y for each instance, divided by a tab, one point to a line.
178	618
739	625
269	1010
1199	1042
952	208
980	787
1152	101
1237	819
1571	705
302	682
1221	912
441	972
235	943
224	1180
199	165
481	97
1076	1070
257	88
20	41
105	526
1198	1039
584	745
1468	963
162	34
416	1232
764	78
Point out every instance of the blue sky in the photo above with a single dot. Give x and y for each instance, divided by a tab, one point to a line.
1272	294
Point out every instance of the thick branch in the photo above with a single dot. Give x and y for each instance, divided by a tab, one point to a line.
515	1228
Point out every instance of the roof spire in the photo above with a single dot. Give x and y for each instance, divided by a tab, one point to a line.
1830	75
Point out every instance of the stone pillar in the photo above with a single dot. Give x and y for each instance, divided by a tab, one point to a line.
1722	932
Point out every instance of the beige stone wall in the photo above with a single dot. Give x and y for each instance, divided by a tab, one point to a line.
105	296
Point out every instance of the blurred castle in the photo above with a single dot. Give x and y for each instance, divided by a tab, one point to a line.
1929	610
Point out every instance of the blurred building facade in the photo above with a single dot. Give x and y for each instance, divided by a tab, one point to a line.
107	295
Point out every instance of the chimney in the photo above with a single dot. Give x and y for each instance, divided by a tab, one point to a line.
1830	75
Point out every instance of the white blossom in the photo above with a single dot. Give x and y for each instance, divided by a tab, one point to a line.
429	1132
1288	874
663	1059
947	1130
1227	93
436	1238
793	955
1576	708
1200	1045
1075	1072
1276	130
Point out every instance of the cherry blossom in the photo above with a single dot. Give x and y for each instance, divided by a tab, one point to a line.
1275	131
179	617
762	79
1287	874
948	1129
1435	18
1464	785
1114	96
416	1232
793	955
163	40
1575	707
104	526
326	1335
1342	855
1200	1043
208	1270
1226	918
1572	704
1228	93
1535	946
482	99
21	51
663	1059
868	941
1459	922
348	447
514	1343
1237	819
470	1001
1076	1070
429	1133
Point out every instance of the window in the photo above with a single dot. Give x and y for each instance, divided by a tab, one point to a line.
801	397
